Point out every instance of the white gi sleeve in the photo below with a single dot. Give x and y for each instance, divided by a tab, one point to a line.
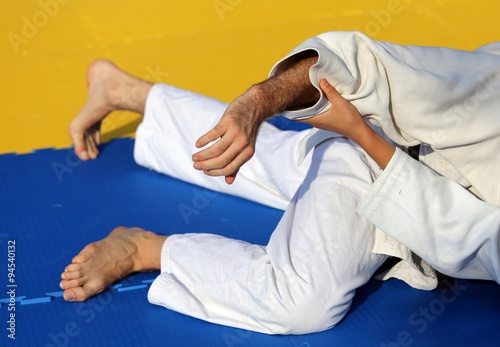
458	234
443	97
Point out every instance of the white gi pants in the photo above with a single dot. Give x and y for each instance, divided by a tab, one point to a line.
304	280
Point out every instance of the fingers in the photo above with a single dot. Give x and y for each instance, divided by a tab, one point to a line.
228	163
340	106
331	93
213	151
225	156
218	155
211	135
232	168
216	149
232	143
231	178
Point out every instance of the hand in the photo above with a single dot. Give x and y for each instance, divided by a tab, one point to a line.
236	132
342	118
235	136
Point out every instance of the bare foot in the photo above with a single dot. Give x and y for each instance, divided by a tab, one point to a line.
100	264
110	89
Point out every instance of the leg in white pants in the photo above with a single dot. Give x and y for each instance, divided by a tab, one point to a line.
174	119
304	280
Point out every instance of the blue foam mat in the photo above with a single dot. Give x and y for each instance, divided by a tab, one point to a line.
52	205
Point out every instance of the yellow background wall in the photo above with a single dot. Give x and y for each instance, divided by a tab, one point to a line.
216	47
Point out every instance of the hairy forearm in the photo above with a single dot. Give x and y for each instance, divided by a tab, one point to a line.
235	135
290	90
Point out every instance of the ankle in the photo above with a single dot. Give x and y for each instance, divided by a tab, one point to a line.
148	251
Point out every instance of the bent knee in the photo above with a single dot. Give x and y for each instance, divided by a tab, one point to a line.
309	315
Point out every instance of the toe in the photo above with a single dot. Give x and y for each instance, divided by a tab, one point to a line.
73	283
78	137
84	256
97	138
73	267
93	152
81	293
81	150
69	295
71	275
79	259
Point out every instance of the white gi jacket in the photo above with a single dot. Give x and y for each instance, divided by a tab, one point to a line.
304	279
448	101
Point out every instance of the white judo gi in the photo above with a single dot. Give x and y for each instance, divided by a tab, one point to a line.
322	250
448	101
